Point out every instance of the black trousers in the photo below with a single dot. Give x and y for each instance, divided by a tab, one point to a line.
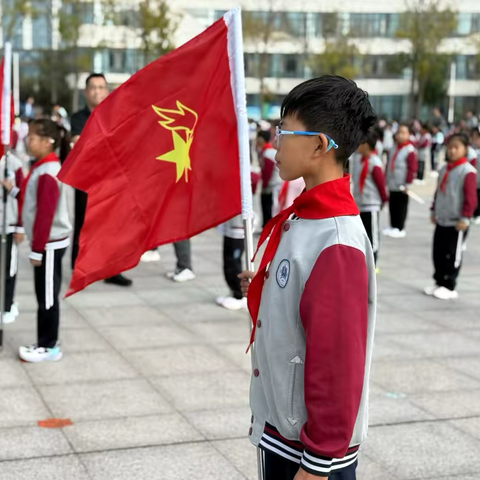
398	209
80	209
48	280
233	249
477	211
267	206
371	222
433	156
447	255
279	468
183	252
11	273
421	169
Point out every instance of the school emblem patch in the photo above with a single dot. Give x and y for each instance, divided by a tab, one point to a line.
283	273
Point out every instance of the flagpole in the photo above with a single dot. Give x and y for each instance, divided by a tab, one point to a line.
5	124
233	20
16	83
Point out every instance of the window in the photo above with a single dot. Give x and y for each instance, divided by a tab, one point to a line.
83	10
366	25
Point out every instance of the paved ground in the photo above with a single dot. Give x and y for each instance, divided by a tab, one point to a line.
155	379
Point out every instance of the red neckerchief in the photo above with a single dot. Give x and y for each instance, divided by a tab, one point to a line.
267	146
364	172
450	167
51	157
397	150
282	196
330	199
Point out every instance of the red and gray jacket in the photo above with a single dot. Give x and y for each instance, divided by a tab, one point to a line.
456	195
369	189
313	340
45	210
402	167
15	175
424	147
270	175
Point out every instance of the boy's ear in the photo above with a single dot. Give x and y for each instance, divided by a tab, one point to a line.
322	144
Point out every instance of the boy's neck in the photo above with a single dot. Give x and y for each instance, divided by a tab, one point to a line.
324	176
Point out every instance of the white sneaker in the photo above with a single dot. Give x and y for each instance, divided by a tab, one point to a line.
443	293
388	231
184	276
417	181
8	317
430	290
477	221
14	310
150	256
231	303
434	174
36	354
398	234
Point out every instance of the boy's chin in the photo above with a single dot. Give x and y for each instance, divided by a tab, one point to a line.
288	177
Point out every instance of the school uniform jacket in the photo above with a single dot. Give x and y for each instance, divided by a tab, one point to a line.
45	210
369	190
270	174
456	196
15	175
313	334
402	167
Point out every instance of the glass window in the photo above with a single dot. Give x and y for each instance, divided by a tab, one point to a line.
464	24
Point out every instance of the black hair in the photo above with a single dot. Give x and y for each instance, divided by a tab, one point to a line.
426	126
265	134
371	139
60	138
335	106
461	137
475	131
95	75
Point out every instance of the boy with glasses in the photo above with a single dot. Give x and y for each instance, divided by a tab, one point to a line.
313	298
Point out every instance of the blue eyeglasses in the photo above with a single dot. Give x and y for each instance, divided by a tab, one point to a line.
279	132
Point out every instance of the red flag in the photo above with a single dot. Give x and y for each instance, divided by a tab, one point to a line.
12	113
158	158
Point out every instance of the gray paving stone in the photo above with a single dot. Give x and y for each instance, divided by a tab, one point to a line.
221	423
180	296
178	360
222	332
131	432
466	365
139	315
112	298
133	337
428	450
12	373
240	453
27	321
198	461
235	352
53	468
403	323
82	367
200	313
21	406
371	470
92	401
29	442
419	376
208	391
385	348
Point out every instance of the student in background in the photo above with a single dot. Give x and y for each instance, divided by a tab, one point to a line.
424	147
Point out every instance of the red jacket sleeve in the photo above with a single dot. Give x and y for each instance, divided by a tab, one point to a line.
412	167
474	162
335	318
267	171
469	195
48	194
379	179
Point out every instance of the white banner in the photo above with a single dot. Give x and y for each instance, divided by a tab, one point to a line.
6	94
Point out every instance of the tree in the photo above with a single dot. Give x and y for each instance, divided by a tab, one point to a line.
157	27
426	24
257	31
338	58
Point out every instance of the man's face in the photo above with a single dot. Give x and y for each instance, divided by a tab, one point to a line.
96	92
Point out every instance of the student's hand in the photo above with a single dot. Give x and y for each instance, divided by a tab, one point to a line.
18	238
8	184
461	226
245	279
35	263
433	218
303	475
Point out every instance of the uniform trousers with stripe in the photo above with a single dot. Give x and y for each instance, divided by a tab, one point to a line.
371	222
279	468
233	249
448	246
48	280
12	268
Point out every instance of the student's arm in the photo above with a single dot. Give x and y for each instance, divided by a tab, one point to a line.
48	194
334	314
412	167
379	179
473	161
267	171
19	179
469	197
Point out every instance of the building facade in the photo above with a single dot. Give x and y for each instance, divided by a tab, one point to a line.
110	42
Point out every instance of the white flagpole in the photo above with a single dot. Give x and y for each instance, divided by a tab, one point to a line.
6	125
233	20
16	83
